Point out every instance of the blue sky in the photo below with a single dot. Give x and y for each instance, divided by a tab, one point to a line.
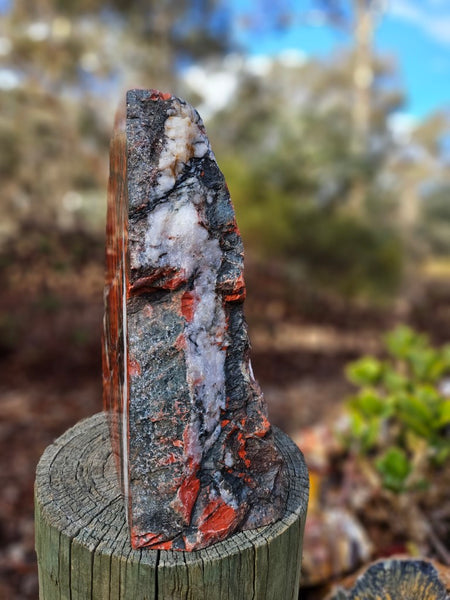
416	32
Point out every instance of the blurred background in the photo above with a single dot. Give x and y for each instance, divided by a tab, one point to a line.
330	120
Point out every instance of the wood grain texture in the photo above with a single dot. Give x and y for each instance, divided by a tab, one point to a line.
83	545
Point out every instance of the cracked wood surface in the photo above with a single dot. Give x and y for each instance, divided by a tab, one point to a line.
83	545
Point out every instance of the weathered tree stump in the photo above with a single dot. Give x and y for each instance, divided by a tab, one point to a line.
83	545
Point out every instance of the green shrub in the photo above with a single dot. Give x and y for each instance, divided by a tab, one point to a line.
400	417
320	246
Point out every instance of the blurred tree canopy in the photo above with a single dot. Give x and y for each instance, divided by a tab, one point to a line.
80	41
347	202
65	65
323	184
293	169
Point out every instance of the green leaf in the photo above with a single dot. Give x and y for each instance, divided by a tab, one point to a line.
444	414
394	382
442	452
403	340
365	432
356	424
430	397
366	371
394	468
400	398
425	364
372	435
369	403
416	414
445	354
439	368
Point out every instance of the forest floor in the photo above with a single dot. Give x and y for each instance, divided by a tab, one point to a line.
50	367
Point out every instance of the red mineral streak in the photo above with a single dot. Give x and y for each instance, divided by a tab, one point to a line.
216	520
189	545
242	452
177	443
264	428
234	227
181	410
238	292
187	496
148	311
224	423
157	417
149	540
157	95
175	282
180	343
163	546
151	545
230	430
172	458
164	278
188	302
134	368
249	481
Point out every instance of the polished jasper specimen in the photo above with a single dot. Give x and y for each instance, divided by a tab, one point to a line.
189	426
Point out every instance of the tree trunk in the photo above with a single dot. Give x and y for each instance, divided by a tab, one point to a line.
362	86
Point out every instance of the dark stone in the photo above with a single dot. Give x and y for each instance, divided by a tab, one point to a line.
188	421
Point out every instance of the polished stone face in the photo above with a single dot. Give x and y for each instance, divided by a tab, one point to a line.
194	447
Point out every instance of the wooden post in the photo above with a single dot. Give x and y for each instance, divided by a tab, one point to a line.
83	545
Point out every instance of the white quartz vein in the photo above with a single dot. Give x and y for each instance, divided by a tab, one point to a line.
175	238
184	139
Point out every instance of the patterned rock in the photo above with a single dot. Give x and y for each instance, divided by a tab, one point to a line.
189	425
